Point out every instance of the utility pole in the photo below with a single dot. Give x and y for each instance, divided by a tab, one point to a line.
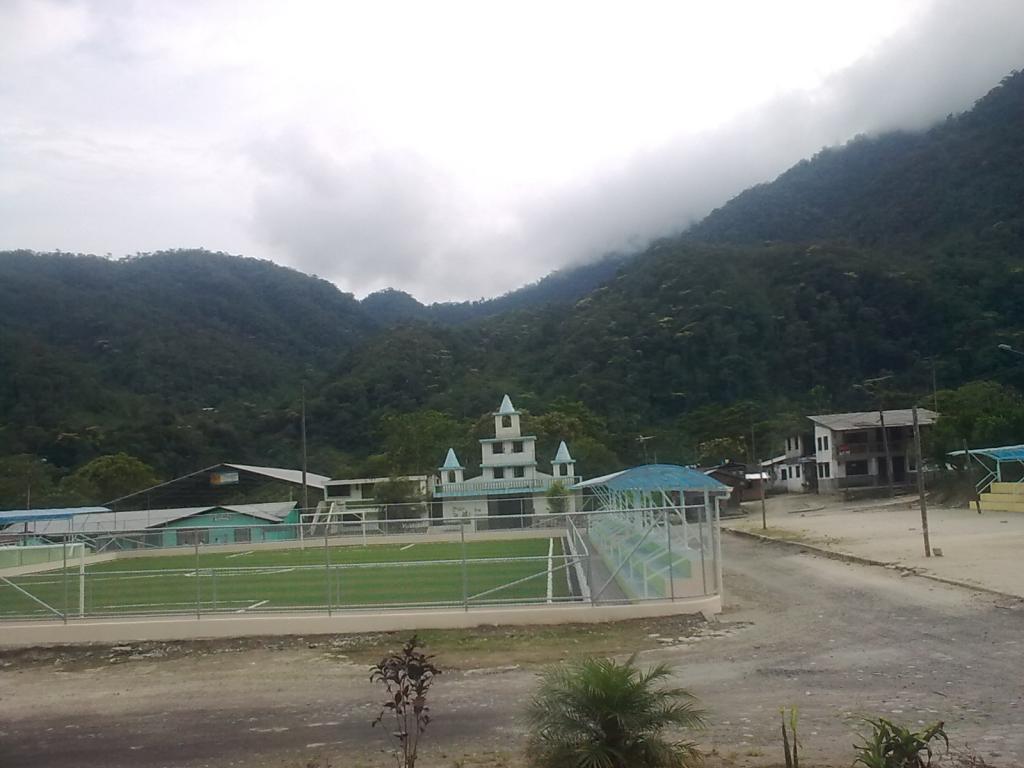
760	475
888	454
305	487
920	485
935	388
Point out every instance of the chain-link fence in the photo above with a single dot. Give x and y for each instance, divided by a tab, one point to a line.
329	563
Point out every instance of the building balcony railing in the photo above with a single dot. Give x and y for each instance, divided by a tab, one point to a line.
510	485
854	451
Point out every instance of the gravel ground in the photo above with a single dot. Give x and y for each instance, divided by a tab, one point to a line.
983	550
834	639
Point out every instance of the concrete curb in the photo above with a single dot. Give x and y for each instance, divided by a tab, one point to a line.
848	558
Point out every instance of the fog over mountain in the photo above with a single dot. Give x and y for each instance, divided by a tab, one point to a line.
453	152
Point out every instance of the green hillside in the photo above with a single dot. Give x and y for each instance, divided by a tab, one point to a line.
899	254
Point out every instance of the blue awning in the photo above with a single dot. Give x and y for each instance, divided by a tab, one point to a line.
1002	453
655	477
12	516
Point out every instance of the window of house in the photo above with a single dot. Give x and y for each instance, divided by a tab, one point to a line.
796	471
506	421
854	468
499	473
819	442
451	477
519	471
341	490
517	446
827	468
563	469
824	441
785	475
497	447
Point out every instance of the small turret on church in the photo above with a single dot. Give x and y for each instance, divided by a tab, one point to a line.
452	471
564	464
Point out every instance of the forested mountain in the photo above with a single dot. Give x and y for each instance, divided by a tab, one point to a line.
901	254
563	286
962	178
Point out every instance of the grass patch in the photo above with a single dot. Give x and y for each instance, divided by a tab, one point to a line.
433	573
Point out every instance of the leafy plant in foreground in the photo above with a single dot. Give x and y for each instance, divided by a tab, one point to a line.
407	676
597	713
893	746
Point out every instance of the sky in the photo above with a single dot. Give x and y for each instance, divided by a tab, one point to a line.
450	149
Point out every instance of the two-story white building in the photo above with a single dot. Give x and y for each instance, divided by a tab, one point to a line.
510	484
849	449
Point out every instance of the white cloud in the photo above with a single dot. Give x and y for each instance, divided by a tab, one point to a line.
454	149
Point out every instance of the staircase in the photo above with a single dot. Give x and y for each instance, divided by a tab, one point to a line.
1003	497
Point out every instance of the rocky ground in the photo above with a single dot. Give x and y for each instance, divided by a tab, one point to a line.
834	639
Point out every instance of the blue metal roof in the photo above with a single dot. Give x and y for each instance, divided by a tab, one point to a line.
31	515
656	477
1002	453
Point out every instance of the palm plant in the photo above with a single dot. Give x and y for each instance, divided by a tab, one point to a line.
597	713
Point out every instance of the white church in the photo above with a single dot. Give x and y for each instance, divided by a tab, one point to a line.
510	485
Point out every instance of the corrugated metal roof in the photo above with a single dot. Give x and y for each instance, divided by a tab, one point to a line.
136	520
900	417
12	516
656	477
313	480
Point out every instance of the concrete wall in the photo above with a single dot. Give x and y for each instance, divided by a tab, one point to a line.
42	633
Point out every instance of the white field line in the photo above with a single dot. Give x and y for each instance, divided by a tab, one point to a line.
551	570
407	546
254	605
241	554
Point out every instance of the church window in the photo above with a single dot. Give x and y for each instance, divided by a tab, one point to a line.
506	421
563	469
451	477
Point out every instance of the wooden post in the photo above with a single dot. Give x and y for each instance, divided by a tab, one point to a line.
920	484
885	447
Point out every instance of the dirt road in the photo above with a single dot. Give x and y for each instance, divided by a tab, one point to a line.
833	639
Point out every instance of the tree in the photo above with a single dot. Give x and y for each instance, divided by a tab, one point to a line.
109	477
416	442
597	713
25	480
556	498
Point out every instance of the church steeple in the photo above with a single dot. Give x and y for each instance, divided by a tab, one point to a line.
506	419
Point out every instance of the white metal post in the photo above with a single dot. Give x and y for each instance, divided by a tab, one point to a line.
81	581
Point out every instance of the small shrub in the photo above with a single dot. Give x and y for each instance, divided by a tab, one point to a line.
596	713
407	677
893	746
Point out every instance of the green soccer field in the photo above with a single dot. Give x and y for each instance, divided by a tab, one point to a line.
494	572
